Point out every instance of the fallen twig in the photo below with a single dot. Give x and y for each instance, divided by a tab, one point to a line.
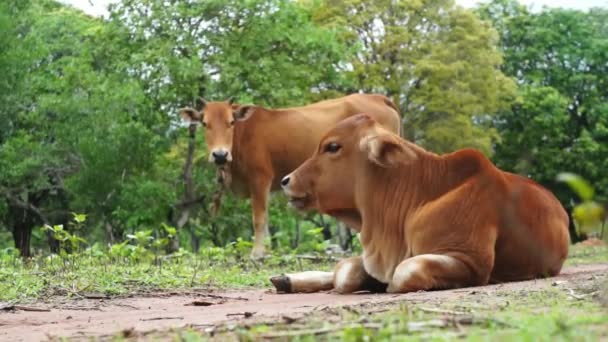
433	323
223	297
247	314
127	306
11	307
160	318
316	332
77	308
95	296
317	258
574	295
442	311
470	320
288	319
203	303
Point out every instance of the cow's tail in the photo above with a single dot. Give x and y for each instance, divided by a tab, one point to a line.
392	104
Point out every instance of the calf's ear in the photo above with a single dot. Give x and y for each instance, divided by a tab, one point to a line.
387	150
243	113
190	114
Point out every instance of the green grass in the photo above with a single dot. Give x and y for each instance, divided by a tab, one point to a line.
95	271
580	254
76	276
531	315
549	314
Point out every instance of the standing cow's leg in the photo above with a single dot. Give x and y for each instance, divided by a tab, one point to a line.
259	205
436	271
349	276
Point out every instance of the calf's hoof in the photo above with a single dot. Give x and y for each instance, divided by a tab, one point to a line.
281	283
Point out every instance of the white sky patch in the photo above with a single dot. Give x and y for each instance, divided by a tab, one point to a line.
538	4
99	7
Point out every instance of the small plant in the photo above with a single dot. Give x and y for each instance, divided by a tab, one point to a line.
314	242
68	240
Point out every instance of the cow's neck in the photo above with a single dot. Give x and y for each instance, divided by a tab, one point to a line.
386	205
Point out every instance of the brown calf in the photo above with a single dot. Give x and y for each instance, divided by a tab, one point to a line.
426	221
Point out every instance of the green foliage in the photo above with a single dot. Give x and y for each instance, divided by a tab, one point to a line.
559	124
87	104
437	61
88	119
263	51
316	242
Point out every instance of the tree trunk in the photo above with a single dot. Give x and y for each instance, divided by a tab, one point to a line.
195	241
296	237
181	218
326	228
215	235
24	216
345	237
109	231
22	232
273	239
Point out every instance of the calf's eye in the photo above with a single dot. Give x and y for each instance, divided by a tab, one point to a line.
332	147
231	123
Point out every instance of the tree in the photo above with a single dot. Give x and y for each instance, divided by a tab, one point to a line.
263	51
560	57
266	52
439	62
74	131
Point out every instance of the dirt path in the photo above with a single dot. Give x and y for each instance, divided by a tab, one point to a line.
88	317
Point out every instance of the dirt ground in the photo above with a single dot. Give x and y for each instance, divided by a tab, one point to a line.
84	318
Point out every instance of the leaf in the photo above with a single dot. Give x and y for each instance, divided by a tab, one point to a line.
589	216
80	218
582	188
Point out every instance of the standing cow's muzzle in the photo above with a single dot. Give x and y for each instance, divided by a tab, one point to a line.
220	157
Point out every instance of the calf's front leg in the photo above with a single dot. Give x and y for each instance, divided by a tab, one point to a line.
348	276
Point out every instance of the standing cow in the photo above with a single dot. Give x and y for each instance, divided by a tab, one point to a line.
258	146
426	221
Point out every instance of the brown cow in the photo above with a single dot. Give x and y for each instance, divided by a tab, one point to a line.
259	146
426	221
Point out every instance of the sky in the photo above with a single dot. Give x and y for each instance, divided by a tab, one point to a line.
98	7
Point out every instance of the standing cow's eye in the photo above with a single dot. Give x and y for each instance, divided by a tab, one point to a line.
231	123
332	147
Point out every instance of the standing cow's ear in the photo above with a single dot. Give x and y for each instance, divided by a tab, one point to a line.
200	103
387	150
190	114
242	113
